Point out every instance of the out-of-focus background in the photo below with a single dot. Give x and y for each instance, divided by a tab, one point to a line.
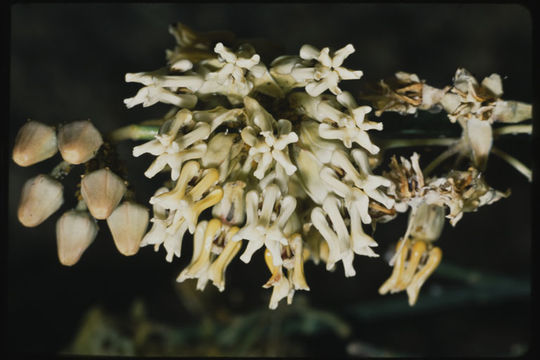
68	63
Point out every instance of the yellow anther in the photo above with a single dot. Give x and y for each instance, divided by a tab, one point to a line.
277	272
216	272
209	200
324	250
305	254
417	251
390	284
203	260
434	259
209	179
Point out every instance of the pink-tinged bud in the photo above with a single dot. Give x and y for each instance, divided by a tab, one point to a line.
128	225
79	141
102	191
40	198
75	231
35	142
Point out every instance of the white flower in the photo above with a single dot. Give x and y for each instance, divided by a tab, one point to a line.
274	146
336	125
192	81
234	65
285	285
152	94
172	147
165	231
231	208
188	201
213	250
363	179
264	226
327	72
216	271
192	47
231	78
309	169
200	261
221	150
342	244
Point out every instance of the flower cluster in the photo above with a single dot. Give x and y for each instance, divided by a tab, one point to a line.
279	159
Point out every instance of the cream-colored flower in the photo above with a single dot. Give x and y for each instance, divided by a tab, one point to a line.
328	70
213	250
336	125
192	46
152	94
342	243
266	147
179	140
266	226
232	70
231	208
188	201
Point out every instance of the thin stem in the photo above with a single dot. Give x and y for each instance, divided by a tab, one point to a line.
405	237
439	159
512	129
133	132
397	143
518	165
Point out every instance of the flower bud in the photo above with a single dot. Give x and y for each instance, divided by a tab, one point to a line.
79	141
35	142
128	225
102	190
40	198
75	231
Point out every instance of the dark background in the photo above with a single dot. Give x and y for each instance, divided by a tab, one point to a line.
68	63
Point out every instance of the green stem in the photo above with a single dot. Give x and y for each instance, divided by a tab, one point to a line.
512	129
397	143
133	132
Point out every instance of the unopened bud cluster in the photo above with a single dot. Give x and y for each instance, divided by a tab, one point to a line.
100	191
283	163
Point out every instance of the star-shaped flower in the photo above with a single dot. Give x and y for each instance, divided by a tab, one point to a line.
328	70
